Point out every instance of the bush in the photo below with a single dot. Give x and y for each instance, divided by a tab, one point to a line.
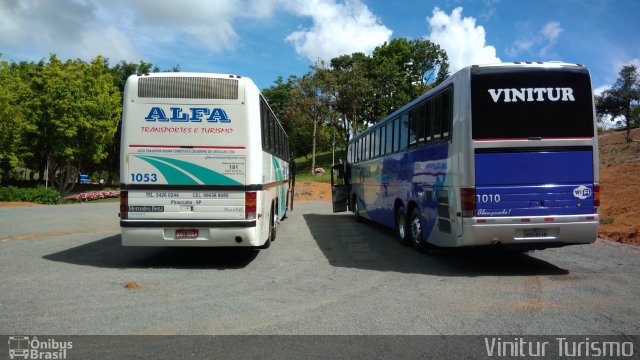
40	195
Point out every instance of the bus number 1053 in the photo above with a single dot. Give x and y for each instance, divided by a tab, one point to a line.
488	198
137	177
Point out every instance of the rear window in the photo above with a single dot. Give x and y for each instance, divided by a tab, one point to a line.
531	103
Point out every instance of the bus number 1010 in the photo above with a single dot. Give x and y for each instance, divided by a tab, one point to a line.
488	198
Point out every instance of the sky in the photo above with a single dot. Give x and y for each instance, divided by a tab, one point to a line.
264	39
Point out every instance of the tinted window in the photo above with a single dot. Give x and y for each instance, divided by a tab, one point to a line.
436	125
382	139
428	121
446	113
413	127
531	103
396	135
389	138
404	131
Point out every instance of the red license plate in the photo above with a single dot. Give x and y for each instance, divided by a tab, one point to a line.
187	233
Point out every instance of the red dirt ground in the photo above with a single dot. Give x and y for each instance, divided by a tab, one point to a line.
620	187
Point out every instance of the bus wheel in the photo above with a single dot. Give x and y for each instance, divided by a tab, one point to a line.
273	223
356	210
401	227
415	231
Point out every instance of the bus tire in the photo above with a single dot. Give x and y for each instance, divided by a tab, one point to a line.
273	223
401	227
415	231
356	210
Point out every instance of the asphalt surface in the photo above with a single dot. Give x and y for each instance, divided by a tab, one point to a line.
63	271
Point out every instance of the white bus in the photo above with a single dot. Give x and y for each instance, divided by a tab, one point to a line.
204	162
503	155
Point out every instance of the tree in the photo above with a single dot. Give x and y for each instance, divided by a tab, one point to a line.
278	96
13	122
622	99
75	113
403	70
348	86
308	109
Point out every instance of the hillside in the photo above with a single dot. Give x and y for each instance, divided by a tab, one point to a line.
620	187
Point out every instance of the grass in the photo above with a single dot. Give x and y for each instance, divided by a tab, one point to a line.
323	160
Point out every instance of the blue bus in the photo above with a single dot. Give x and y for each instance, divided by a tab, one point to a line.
501	154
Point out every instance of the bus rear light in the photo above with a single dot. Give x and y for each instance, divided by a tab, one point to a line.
124	205
548	219
468	201
250	205
525	220
596	195
590	218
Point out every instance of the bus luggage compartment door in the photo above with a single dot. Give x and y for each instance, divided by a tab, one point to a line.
339	189
534	183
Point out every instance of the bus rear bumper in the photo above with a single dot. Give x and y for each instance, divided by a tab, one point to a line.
204	236
511	231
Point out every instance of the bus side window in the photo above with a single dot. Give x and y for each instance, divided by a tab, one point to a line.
381	136
420	115
367	139
404	131
376	146
389	138
413	127
446	114
428	119
437	117
396	134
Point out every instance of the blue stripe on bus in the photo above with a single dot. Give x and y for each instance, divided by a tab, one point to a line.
532	168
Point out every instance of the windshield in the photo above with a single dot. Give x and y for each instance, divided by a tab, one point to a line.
528	103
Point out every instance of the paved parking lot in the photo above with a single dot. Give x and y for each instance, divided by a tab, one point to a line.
64	272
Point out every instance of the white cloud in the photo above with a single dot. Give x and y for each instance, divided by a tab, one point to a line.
209	24
337	29
540	43
551	30
110	43
125	29
464	42
68	28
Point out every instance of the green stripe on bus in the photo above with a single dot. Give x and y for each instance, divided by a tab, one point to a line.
171	174
206	176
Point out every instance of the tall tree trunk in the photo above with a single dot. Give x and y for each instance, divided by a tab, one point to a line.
313	147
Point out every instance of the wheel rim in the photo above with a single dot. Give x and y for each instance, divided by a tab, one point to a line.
274	220
401	229
416	230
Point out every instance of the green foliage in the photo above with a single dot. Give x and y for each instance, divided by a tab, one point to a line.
354	91
64	115
40	195
622	99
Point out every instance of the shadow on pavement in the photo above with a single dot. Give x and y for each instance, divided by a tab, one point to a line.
109	253
366	245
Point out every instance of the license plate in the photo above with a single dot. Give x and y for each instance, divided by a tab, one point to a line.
187	234
535	233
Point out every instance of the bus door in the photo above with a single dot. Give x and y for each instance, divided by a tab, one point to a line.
339	189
